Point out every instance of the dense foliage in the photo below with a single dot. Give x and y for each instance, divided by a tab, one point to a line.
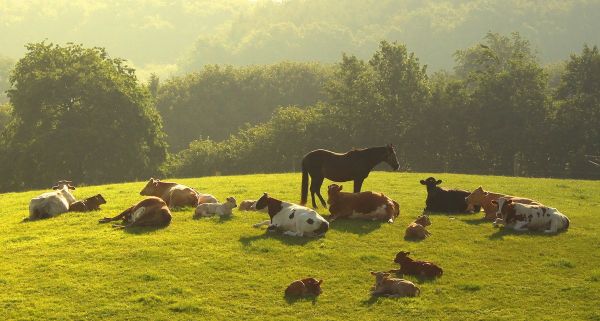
493	115
6	65
218	100
78	114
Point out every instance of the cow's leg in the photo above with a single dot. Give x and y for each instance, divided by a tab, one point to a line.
358	184
553	227
521	227
116	218
263	223
315	188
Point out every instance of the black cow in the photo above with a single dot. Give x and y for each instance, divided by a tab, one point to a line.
443	200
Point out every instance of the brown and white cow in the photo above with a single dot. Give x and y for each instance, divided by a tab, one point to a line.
524	217
174	194
482	198
150	212
363	205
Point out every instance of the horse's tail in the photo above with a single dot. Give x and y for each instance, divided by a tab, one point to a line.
304	191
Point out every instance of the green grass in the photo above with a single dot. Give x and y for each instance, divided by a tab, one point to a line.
71	267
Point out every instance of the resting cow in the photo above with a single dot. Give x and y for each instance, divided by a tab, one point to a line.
89	204
479	197
151	212
523	217
443	200
52	203
304	287
362	205
417	268
174	194
416	230
291	219
393	287
210	209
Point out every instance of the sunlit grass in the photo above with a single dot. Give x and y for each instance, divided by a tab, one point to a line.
71	267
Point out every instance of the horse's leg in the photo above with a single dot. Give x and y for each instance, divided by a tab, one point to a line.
358	184
315	187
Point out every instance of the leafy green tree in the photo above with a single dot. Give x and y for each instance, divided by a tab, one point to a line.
5	115
578	112
79	114
6	65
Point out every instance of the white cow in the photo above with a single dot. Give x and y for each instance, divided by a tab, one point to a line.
524	217
210	209
52	203
291	219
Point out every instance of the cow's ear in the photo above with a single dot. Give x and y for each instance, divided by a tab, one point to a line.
486	193
480	188
265	194
508	201
320	281
373	273
55	187
494	202
423	182
439	181
341	187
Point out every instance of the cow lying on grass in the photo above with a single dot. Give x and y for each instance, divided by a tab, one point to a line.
89	204
210	209
291	219
416	230
174	195
447	201
479	197
363	205
393	287
206	199
304	287
522	217
52	203
151	212
416	268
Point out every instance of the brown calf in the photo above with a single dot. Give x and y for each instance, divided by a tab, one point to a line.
304	287
479	197
417	268
152	212
363	205
89	204
393	287
174	194
416	230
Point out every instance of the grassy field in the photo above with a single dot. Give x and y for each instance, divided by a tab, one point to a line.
71	267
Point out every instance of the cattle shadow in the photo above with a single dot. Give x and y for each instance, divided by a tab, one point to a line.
477	221
289	240
503	231
140	230
359	227
374	298
293	299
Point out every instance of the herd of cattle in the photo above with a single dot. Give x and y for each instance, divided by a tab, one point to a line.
517	213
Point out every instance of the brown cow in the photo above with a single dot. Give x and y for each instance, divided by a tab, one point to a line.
363	205
304	287
416	230
152	211
479	197
89	204
174	194
393	287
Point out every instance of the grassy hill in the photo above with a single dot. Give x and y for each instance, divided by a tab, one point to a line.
71	267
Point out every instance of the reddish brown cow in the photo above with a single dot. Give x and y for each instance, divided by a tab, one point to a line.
174	194
417	268
416	230
363	205
152	212
89	204
479	197
304	287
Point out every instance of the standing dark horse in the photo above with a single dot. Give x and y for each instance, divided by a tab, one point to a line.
354	165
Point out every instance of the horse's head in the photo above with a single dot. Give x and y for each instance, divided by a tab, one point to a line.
391	158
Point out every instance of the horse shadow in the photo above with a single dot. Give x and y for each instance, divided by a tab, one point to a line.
289	240
359	227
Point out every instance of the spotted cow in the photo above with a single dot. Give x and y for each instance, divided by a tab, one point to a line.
523	217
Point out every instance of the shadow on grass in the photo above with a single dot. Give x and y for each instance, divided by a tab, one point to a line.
420	279
290	240
294	299
374	298
478	221
359	227
503	231
138	230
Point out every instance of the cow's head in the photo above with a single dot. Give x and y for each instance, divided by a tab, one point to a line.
150	187
313	224
99	199
431	183
506	209
423	220
262	202
313	286
334	189
61	183
402	257
390	157
476	197
231	200
379	277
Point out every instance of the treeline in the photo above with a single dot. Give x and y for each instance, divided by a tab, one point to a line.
79	114
498	112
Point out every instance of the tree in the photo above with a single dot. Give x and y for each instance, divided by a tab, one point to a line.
578	112
6	65
81	115
5	115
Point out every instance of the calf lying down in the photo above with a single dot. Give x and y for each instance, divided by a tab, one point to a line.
362	205
304	287
416	230
522	217
210	209
150	212
89	204
393	287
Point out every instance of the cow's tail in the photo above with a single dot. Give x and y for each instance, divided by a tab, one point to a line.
304	188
